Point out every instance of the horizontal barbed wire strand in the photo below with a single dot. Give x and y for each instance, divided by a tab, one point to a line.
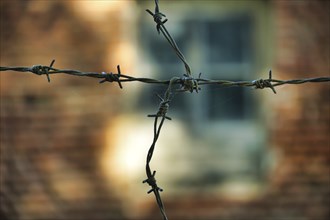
122	78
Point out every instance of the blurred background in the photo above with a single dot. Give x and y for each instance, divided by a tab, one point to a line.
75	149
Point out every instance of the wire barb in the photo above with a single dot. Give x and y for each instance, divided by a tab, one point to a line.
264	83
112	77
158	17
189	84
40	70
151	180
163	108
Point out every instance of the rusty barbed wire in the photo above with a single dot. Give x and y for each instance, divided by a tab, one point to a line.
186	83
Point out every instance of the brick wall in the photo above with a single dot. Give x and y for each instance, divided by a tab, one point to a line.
301	181
51	134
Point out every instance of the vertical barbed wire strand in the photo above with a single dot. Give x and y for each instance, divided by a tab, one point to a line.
151	176
188	83
158	18
151	180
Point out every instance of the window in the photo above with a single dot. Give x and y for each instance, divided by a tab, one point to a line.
228	144
229	39
226	48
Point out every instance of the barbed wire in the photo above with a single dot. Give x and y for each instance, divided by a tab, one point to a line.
158	18
186	83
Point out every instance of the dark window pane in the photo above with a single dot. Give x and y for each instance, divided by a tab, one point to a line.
225	103
229	40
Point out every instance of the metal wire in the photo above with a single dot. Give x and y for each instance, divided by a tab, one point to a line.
158	16
186	83
162	111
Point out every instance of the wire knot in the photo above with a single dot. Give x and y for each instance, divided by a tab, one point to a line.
264	83
112	77
163	109
189	83
151	180
158	17
40	70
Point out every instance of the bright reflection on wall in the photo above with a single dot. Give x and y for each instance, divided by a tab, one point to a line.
126	143
123	159
98	10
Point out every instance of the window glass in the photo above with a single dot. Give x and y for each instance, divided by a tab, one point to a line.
229	39
225	103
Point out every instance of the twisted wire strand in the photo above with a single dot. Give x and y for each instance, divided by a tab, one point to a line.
151	179
161	113
123	78
158	18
